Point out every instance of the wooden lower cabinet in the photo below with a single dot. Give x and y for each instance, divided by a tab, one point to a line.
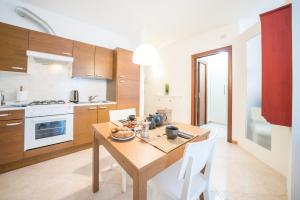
12	155
11	140
84	117
103	112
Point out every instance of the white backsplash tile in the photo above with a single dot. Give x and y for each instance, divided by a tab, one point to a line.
50	82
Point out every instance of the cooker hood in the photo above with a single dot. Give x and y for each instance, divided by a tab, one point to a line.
46	58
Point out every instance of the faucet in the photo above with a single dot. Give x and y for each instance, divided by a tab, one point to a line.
91	98
2	98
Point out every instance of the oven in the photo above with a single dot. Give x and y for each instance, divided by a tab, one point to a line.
47	130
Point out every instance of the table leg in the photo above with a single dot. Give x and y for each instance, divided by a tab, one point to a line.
95	163
139	188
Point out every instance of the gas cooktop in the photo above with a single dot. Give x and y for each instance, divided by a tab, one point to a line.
46	102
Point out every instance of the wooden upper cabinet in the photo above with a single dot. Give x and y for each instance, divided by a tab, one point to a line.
104	63
13	46
46	43
84	60
276	29
126	69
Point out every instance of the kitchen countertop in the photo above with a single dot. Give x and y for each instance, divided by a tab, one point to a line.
94	103
8	107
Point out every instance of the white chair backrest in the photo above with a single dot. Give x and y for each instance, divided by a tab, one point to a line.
196	156
115	115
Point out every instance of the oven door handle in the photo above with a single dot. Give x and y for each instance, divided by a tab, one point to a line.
52	119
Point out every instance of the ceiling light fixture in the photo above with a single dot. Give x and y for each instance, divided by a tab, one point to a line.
145	55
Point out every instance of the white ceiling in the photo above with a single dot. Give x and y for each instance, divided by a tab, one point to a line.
157	20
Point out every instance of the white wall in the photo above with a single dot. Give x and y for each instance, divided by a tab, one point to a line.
296	100
64	26
175	68
279	156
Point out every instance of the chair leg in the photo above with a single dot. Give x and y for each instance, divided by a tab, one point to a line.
124	181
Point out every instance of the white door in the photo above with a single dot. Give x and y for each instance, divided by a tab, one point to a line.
217	69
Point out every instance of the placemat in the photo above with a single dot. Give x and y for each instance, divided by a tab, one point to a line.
158	139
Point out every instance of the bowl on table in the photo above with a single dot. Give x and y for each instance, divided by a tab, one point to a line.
172	132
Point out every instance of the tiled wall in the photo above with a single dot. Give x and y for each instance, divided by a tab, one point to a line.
50	82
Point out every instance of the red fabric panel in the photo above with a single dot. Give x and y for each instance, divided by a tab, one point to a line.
277	66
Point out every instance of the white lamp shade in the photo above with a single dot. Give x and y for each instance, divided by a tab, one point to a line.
145	55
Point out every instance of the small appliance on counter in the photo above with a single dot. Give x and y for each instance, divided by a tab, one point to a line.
74	97
22	95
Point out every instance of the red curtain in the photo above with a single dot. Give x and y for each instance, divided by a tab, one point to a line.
277	66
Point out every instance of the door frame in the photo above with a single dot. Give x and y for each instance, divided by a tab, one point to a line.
227	49
197	76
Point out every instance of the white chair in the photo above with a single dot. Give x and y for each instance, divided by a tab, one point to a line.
115	115
184	180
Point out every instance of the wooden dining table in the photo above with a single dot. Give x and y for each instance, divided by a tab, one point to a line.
138	158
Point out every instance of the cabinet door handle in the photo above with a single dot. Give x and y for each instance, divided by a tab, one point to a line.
18	68
122	76
4	115
90	75
102	107
14	124
66	53
122	81
99	75
92	108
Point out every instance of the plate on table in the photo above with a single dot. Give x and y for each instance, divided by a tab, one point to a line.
122	134
123	138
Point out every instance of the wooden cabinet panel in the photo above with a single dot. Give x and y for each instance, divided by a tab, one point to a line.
125	86
277	66
103	112
11	114
13	46
84	117
126	69
84	59
46	43
11	140
103	63
130	105
128	91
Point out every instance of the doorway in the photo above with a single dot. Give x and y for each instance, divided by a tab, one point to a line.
212	90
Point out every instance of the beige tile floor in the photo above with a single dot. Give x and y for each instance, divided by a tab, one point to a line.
236	175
